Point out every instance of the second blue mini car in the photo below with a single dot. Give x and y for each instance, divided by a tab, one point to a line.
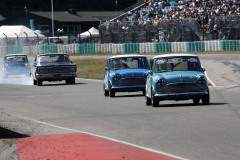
176	77
125	73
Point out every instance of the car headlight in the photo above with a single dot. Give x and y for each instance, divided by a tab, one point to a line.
73	69
116	77
201	79
39	70
161	82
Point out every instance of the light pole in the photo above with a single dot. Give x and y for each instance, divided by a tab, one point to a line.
116	2
52	19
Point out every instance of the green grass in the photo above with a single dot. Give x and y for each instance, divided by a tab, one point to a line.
90	68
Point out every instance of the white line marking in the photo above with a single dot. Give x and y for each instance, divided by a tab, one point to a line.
228	86
209	79
90	79
112	139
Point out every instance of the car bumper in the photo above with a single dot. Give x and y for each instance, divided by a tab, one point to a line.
57	76
17	72
129	88
180	96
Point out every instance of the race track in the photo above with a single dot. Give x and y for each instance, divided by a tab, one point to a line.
178	130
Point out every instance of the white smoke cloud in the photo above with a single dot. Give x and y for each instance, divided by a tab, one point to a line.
20	79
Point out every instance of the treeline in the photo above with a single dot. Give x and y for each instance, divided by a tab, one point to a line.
10	8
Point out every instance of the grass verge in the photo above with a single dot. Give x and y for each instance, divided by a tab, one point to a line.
90	68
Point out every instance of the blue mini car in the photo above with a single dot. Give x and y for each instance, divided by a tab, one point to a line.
125	73
176	77
16	64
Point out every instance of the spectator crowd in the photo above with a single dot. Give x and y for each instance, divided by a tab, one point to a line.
181	9
205	12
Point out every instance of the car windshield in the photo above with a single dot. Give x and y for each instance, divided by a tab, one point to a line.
54	58
18	59
177	64
129	63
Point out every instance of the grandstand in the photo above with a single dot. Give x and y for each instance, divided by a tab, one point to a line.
174	21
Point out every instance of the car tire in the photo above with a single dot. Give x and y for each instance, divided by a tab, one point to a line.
206	99
196	101
154	101
148	101
39	82
73	81
34	82
111	91
70	81
106	92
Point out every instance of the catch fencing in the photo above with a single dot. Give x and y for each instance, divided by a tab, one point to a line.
182	30
124	48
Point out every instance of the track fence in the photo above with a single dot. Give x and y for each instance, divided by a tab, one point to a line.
125	48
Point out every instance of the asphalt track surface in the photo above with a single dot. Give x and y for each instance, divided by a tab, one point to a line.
58	121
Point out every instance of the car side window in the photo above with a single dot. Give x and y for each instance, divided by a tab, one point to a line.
108	63
142	62
151	64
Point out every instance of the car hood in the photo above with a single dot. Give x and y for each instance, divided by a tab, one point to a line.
181	76
54	64
16	63
132	72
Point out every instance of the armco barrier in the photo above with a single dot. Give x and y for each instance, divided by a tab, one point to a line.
179	47
164	47
195	46
131	48
86	48
13	49
49	49
108	48
147	48
212	46
230	45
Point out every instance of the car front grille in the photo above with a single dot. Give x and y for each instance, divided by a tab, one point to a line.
56	69
132	81
181	88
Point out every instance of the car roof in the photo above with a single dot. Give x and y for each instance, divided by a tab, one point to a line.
175	55
15	55
127	55
52	54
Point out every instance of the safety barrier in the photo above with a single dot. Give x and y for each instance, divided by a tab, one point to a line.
141	48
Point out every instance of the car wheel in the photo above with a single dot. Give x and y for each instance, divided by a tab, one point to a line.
111	91
34	82
206	99
106	92
196	101
73	81
39	82
154	101
148	101
68	81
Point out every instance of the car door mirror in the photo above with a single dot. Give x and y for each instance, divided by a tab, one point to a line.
203	69
149	73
